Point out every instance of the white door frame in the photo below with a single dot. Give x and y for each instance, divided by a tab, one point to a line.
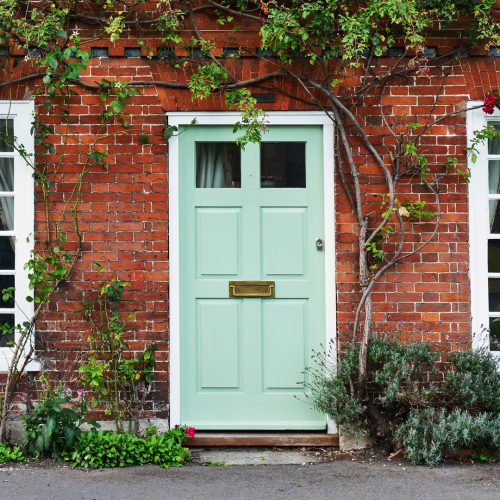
178	119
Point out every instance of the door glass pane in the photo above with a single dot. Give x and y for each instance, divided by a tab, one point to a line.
494	294
6	213
7	256
495	334
6	174
494	256
218	165
6	329
494	144
283	165
494	176
6	133
6	282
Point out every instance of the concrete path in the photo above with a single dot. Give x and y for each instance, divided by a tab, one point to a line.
334	480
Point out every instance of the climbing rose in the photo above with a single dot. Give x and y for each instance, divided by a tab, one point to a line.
190	432
490	102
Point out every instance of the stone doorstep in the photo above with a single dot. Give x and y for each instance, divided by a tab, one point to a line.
222	457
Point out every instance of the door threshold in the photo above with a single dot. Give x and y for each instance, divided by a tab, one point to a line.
260	438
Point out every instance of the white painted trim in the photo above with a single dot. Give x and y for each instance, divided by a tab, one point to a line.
22	114
479	230
229	118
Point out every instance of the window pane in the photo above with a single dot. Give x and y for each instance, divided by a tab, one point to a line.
494	294
6	329
7	256
495	334
6	133
218	165
6	282
494	256
283	165
6	174
494	144
494	176
6	213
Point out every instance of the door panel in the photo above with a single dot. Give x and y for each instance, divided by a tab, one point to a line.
284	236
218	343
284	324
218	240
243	359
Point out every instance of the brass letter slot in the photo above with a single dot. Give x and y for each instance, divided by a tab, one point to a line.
251	289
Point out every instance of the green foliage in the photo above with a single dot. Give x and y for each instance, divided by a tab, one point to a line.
115	95
399	399
427	433
206	79
53	427
330	392
353	29
11	454
102	449
473	381
479	137
46	269
119	381
253	120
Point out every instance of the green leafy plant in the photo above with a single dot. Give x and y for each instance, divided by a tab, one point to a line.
11	454
403	402
53	427
102	449
428	433
120	382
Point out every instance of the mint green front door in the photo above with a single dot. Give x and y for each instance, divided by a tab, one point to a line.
247	215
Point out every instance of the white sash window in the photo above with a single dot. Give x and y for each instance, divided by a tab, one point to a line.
16	218
484	222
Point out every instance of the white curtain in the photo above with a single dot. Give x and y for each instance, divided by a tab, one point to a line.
7	202
213	166
494	185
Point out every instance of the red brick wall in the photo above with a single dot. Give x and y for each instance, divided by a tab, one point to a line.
124	211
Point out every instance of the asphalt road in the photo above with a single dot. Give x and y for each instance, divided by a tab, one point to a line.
335	480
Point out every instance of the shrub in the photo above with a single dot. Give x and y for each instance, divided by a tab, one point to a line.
403	402
53	426
427	433
103	449
10	454
473	381
397	381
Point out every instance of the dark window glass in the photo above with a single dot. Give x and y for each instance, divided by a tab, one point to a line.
6	281
6	174
283	165
6	213
6	135
495	334
7	255
6	329
494	256
494	294
218	165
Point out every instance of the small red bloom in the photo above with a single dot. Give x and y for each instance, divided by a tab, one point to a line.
490	101
190	431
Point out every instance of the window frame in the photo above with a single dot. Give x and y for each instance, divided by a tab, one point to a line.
479	230
24	210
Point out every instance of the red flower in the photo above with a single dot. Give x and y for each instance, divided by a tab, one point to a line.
490	101
190	431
